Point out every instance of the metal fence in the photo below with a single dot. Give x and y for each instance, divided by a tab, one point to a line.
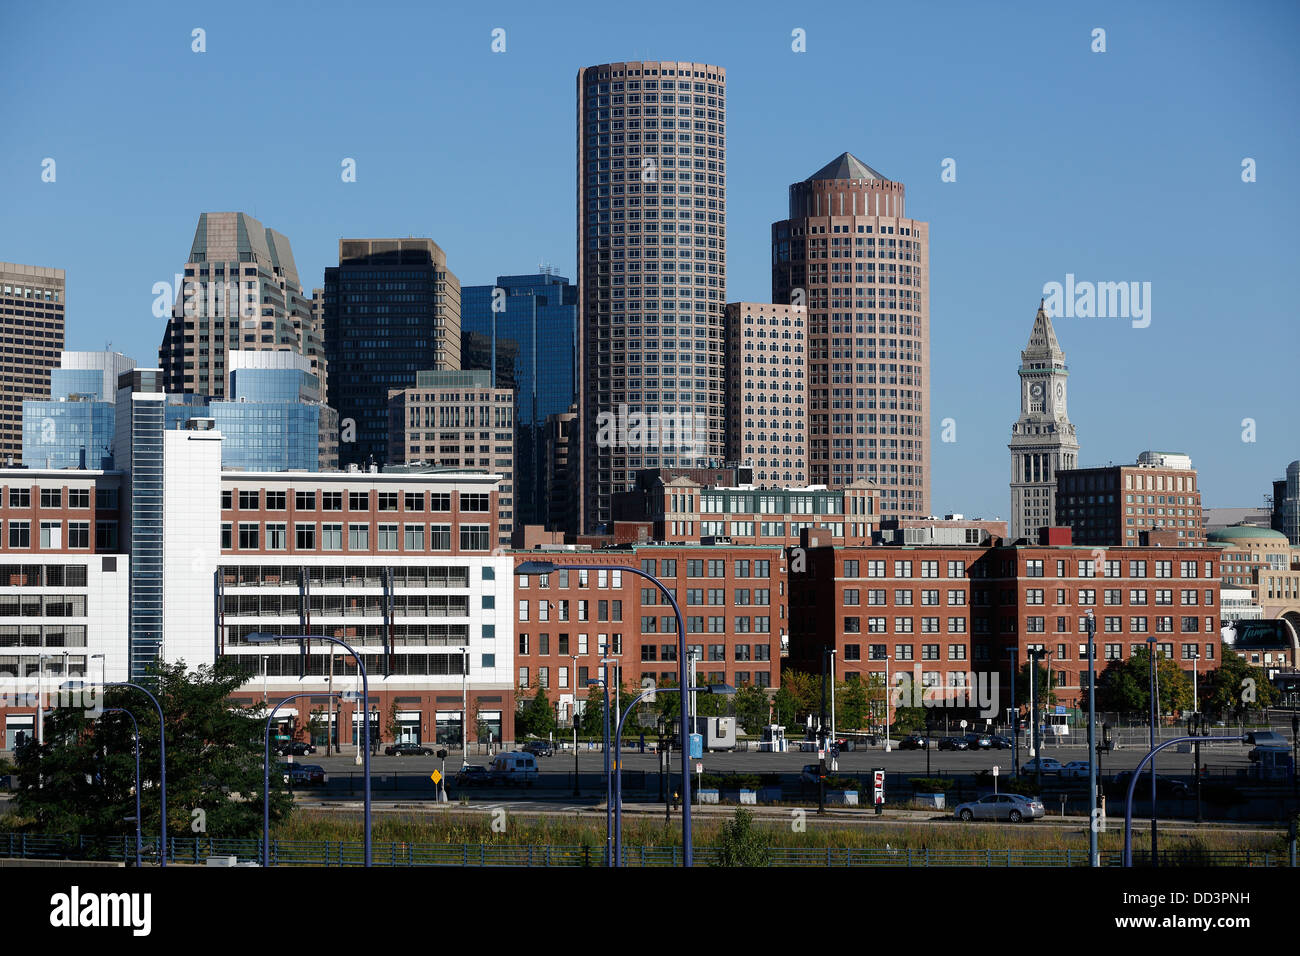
196	850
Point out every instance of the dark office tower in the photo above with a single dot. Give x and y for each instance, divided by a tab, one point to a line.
536	320
651	272
32	299
862	268
240	291
392	308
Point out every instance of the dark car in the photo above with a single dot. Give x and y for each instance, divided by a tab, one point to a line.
913	742
1166	787
315	774
296	775
295	748
978	741
408	750
539	748
953	743
474	775
1000	742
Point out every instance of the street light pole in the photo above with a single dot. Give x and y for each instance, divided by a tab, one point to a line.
1094	852
136	725
548	567
464	713
573	716
266	781
1151	644
258	637
889	699
162	766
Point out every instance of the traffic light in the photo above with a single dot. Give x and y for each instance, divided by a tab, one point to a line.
442	755
293	727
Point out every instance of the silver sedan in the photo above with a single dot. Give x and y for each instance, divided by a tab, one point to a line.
1001	806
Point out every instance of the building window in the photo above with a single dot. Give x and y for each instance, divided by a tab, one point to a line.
275	500
475	537
331	537
387	536
476	503
79	534
248	536
277	536
415	537
304	537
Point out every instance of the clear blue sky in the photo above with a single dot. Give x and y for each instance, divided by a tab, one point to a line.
1115	166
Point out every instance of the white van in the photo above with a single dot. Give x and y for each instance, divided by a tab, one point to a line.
514	768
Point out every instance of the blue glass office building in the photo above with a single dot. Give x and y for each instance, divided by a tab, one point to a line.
538	330
74	427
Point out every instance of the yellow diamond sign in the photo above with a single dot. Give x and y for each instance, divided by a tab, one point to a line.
435	776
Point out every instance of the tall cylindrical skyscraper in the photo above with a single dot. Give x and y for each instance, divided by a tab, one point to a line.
651	272
862	268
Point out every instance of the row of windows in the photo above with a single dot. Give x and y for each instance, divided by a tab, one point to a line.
51	535
1114	568
273	536
903	569
1111	596
49	497
476	503
605	610
717	568
741	624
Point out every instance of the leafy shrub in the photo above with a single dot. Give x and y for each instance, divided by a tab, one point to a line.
740	844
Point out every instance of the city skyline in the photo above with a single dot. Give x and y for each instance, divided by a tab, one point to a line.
1003	230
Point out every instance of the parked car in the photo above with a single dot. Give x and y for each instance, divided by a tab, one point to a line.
1000	742
953	743
514	768
296	748
1166	787
1013	807
977	741
539	748
295	775
408	750
1075	769
811	773
474	775
913	742
1048	765
316	775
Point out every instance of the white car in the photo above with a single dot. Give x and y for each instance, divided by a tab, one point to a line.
1075	768
1046	764
1001	806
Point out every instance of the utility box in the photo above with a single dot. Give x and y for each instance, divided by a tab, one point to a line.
774	739
716	733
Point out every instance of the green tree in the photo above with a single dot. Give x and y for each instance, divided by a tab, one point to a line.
909	720
785	705
591	722
537	719
752	709
82	779
1125	686
392	726
1234	687
851	704
740	843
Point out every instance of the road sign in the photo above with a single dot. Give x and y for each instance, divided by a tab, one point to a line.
435	776
963	725
996	770
281	736
699	768
1060	708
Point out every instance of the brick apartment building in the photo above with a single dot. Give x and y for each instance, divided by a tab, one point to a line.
956	613
733	601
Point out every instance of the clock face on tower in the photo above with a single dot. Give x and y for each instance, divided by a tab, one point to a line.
1060	390
1036	390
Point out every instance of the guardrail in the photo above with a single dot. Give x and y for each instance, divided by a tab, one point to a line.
196	850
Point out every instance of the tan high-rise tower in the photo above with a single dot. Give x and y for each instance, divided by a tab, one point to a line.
849	253
652	211
240	291
32	300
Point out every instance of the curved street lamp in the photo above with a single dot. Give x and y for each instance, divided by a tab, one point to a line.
260	637
162	765
528	568
136	725
266	777
724	689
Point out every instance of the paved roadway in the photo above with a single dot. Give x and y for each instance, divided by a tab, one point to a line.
409	776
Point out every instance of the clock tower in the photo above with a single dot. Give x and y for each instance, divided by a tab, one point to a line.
1042	439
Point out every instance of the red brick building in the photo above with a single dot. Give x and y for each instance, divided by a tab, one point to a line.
733	602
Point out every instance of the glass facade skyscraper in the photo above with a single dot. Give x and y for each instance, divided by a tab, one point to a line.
273	420
392	308
536	346
74	428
